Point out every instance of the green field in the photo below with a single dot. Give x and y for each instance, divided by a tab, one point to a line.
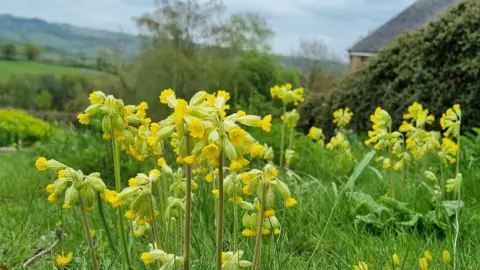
8	68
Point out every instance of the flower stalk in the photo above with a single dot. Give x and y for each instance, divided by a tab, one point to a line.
258	241
220	211
188	208
88	234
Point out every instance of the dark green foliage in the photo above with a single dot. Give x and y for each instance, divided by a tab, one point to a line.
68	92
437	65
31	51
9	51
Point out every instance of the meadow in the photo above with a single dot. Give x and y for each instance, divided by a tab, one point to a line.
388	200
9	68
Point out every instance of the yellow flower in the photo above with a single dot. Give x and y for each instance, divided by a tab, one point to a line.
427	255
181	110
155	171
66	206
140	221
59	223
276	231
237	136
241	113
237	200
210	151
256	150
63	260
272	173
146	258
215	192
196	128
165	94
265	231
342	117
52	198
41	164
223	94
161	162
289	202
395	259
50	188
142	106
446	256
423	263
209	177
269	213
450	121
61	174
248	232
361	266
265	123
131	214
316	134
96	97
247	190
132	182
89	209
83	118
190	159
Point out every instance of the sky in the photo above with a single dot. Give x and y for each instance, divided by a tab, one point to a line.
338	23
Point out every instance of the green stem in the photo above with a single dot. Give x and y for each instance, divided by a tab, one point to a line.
220	211
121	230
235	217
258	241
188	208
459	196
282	142
290	142
154	223
105	224
88	234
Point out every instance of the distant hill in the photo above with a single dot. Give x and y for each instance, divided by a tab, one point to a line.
62	36
57	39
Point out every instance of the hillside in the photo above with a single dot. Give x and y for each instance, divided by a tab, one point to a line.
57	39
62	36
8	68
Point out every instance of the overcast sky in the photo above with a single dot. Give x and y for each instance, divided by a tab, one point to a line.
338	22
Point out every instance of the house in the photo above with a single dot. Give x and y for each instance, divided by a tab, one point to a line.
415	16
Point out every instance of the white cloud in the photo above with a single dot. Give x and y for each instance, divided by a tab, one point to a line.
337	22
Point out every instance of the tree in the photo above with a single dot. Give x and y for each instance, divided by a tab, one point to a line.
9	51
31	51
43	100
311	57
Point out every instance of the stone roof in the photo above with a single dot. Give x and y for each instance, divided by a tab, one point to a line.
418	14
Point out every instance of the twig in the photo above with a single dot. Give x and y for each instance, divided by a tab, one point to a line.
38	255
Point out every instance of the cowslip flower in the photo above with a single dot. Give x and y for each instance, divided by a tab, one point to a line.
63	260
446	256
360	266
450	121
396	259
382	125
317	135
342	117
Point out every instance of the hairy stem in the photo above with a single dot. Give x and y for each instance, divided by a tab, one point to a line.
88	234
282	142
188	209
459	197
258	241
220	212
105	224
121	230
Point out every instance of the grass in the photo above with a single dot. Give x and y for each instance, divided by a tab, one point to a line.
307	241
9	68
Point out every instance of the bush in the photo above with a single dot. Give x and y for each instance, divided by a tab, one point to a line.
9	51
437	65
19	126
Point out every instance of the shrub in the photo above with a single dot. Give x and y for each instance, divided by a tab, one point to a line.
437	65
19	126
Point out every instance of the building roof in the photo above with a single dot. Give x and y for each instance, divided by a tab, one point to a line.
418	14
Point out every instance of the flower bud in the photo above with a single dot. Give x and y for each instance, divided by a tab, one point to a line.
96	182
53	164
106	123
229	150
88	195
60	185
283	189
430	176
118	122
198	98
249	120
165	132
93	109
71	195
269	199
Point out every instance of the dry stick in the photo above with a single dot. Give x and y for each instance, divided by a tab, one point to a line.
38	255
258	240
220	212
188	209
88	235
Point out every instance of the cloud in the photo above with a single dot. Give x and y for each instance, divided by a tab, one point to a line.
338	22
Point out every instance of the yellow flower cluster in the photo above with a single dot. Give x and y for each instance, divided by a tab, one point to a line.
317	135
342	117
263	182
287	94
290	118
74	184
